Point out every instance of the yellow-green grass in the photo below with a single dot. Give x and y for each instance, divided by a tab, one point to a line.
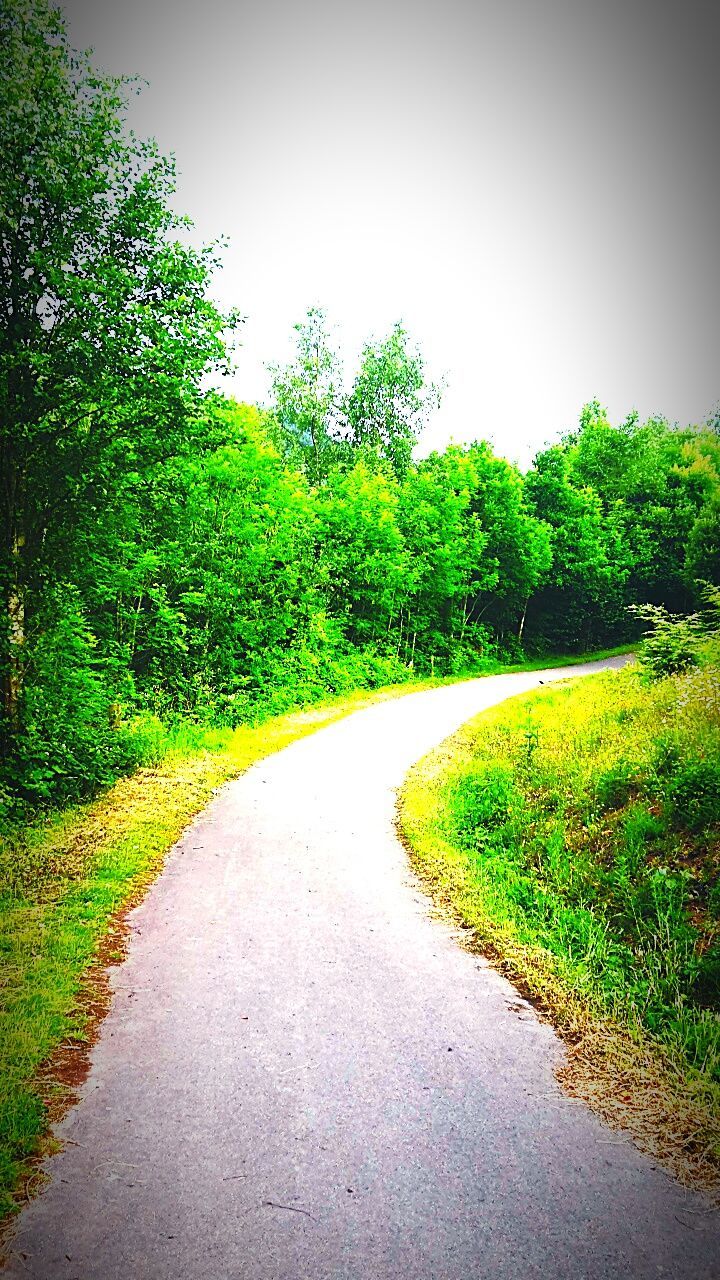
564	830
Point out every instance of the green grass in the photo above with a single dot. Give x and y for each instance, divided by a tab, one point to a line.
577	831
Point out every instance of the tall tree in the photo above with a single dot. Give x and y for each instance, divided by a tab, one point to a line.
321	426
106	329
580	600
363	557
307	399
390	401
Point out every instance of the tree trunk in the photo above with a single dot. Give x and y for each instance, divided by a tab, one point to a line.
15	658
521	628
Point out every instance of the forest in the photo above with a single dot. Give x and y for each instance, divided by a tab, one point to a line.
169	553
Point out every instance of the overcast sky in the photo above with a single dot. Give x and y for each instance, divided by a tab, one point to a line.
531	187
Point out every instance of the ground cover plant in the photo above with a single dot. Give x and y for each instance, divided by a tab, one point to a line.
576	830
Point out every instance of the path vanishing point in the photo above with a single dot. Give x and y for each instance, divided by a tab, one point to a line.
304	1077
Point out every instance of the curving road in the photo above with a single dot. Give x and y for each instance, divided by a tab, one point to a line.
303	1077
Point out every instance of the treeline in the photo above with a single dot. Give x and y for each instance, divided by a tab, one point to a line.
223	583
635	517
167	552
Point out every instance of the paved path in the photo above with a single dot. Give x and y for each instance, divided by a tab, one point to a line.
303	1077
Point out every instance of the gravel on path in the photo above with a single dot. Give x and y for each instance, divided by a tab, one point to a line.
304	1077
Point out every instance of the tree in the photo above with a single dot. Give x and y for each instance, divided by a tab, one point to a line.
517	545
656	484
242	571
446	544
307	396
633	510
581	597
106	329
389	402
363	557
320	426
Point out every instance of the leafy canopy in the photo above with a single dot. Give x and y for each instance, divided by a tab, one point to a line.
321	426
106	329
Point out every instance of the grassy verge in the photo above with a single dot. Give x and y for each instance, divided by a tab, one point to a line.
576	831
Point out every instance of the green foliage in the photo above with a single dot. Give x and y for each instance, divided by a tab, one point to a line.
307	398
484	802
389	402
615	786
582	594
319	425
105	337
634	516
690	790
671	643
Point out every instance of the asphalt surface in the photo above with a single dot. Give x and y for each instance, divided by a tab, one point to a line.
304	1077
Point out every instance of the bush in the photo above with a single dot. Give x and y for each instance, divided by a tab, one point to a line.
671	643
71	741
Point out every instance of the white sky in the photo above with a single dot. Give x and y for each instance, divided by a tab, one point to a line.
532	187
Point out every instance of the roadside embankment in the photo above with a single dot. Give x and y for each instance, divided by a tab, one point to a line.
575	832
